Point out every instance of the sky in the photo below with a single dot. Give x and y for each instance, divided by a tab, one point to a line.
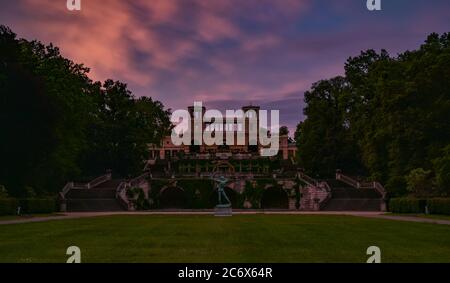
226	53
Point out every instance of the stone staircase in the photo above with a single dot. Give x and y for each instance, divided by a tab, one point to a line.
335	204
101	197
346	198
315	193
313	198
292	204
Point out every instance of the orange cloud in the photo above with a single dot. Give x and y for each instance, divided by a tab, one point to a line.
107	35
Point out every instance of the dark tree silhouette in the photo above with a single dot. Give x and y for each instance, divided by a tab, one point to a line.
57	125
388	116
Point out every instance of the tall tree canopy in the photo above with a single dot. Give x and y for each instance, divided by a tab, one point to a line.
122	130
388	114
56	124
325	138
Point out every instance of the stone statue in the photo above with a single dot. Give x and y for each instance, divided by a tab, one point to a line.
221	183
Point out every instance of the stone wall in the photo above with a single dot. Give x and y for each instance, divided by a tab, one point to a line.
249	192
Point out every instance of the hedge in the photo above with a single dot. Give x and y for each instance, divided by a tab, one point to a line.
439	206
407	205
199	193
38	205
8	206
413	205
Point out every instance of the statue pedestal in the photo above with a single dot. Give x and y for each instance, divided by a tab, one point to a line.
223	211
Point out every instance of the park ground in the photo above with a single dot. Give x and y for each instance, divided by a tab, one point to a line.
241	238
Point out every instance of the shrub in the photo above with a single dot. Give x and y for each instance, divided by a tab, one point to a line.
439	206
155	189
3	192
38	205
31	193
137	196
396	186
8	206
442	169
254	194
199	193
419	182
407	205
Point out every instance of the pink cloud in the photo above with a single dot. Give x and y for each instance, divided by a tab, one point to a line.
212	28
261	42
94	36
222	50
104	35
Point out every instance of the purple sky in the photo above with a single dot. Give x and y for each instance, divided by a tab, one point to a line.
226	53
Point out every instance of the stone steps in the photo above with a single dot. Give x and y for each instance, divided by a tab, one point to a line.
110	184
347	192
93	205
353	204
292	202
97	199
96	193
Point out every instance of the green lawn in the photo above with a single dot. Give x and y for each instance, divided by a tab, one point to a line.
241	238
16	217
429	216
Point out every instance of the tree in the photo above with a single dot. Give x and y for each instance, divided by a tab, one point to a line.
390	114
284	131
59	125
123	129
419	182
441	166
41	131
324	140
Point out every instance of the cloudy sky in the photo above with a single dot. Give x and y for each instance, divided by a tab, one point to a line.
226	53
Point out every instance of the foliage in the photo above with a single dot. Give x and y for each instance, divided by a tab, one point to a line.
155	189
42	113
439	206
253	193
138	198
442	171
122	129
284	131
324	138
396	186
407	205
200	193
386	117
38	205
419	181
8	206
3	192
30	192
59	125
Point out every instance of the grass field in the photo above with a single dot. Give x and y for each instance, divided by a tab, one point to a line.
28	216
241	238
429	216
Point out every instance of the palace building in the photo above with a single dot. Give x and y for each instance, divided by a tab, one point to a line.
246	149
183	177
